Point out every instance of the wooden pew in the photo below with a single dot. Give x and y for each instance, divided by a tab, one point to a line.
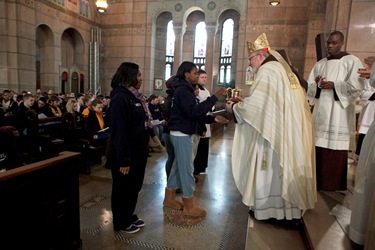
40	205
44	138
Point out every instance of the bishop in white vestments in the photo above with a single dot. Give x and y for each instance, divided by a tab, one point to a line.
273	156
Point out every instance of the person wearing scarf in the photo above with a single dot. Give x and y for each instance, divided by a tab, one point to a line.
127	151
95	124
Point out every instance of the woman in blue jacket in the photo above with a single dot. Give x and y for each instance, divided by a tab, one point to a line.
183	124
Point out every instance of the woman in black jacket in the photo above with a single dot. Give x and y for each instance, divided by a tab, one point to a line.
128	151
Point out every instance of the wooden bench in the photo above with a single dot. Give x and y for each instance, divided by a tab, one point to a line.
77	140
44	138
40	205
90	155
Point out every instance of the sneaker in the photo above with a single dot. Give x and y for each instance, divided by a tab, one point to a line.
131	229
139	223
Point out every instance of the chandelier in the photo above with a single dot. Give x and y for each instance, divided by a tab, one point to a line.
101	5
274	3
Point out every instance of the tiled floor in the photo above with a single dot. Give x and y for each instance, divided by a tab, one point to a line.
226	226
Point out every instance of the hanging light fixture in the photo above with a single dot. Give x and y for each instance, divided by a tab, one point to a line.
101	5
274	3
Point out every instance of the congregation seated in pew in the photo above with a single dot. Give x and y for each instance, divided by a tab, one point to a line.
46	128
95	124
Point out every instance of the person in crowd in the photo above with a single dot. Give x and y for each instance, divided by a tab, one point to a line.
201	132
364	188
72	107
273	160
14	96
80	98
166	115
183	122
128	145
63	101
50	92
41	106
86	105
19	100
334	85
7	103
157	116
22	114
54	107
367	114
161	101
201	159
96	128
106	100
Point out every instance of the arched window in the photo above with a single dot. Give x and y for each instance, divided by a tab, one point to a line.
200	45
169	54
226	51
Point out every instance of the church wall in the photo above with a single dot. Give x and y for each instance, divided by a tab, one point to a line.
129	33
18	41
355	18
58	21
361	30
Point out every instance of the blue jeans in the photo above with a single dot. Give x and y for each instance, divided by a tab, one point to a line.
158	130
182	169
170	152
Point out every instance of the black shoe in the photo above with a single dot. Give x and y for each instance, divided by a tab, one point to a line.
251	212
129	230
139	223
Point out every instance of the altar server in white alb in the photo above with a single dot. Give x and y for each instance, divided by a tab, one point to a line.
201	159
334	85
273	159
367	97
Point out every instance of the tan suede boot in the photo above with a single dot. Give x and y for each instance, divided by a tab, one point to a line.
152	143
170	201
158	143
191	209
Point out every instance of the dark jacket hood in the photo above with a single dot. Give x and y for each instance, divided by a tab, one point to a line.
183	83
170	91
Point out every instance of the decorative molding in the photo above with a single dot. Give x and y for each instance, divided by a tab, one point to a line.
211	6
178	7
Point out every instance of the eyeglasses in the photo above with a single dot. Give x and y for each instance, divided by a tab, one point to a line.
333	42
251	57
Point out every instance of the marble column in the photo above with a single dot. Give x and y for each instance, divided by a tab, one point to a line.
177	27
210	53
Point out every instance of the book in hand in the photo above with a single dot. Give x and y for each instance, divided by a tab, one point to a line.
156	122
103	130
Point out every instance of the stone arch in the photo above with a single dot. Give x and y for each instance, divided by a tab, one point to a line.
44	57
195	16
160	43
72	48
72	58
